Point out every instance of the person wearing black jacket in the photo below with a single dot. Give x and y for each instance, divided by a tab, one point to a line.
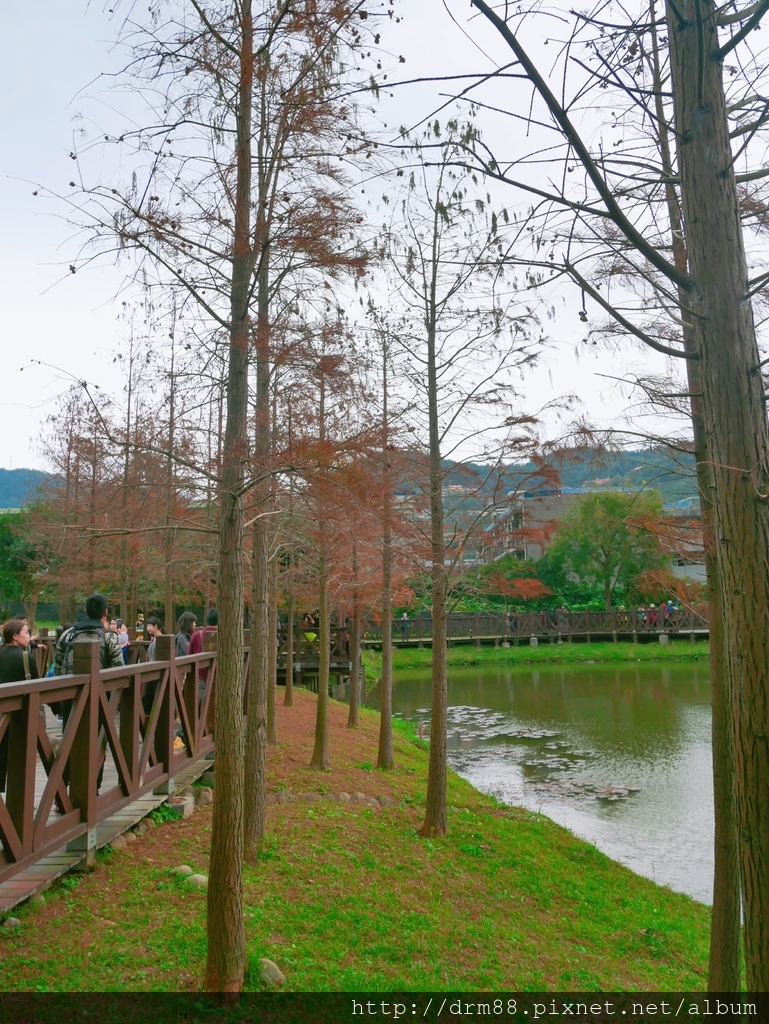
16	664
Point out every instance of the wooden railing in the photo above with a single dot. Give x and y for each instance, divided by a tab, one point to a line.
135	712
548	624
307	643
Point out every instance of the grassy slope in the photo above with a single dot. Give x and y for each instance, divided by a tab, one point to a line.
348	897
544	654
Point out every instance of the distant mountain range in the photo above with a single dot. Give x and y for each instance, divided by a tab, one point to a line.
584	469
656	469
589	470
18	486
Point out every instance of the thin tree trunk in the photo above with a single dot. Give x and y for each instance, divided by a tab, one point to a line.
256	734
724	962
354	645
735	415
127	454
258	683
226	949
320	758
272	655
436	822
169	545
288	698
386	753
30	602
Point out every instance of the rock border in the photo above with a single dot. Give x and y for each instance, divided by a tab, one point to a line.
283	796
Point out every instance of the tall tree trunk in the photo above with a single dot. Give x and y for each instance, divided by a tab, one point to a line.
735	416
724	962
272	654
127	455
226	951
354	645
320	759
258	683
30	602
256	734
288	699
386	753
92	510
169	545
436	822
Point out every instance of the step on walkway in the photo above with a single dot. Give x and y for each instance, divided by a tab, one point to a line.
43	872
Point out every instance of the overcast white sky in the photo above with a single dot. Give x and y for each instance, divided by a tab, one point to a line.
52	54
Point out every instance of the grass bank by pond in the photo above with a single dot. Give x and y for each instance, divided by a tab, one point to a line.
348	897
544	654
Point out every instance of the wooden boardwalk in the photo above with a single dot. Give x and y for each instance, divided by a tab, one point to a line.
40	875
547	627
149	724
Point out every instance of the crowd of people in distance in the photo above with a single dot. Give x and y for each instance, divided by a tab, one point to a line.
18	661
94	622
658	614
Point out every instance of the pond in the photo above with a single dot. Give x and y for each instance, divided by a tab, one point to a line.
620	755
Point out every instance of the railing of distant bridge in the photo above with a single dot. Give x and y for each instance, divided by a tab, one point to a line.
547	624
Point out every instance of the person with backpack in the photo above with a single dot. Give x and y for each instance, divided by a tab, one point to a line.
16	662
94	627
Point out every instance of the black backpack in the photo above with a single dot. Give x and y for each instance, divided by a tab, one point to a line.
71	636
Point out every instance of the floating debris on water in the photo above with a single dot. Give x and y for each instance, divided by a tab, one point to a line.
613	793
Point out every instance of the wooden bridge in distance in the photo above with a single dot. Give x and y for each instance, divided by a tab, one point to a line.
548	627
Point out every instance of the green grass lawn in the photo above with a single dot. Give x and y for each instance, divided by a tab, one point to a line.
349	897
544	654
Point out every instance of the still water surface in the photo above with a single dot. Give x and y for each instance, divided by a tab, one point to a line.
619	755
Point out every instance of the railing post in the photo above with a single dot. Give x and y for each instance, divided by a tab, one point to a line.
165	649
22	755
130	736
85	758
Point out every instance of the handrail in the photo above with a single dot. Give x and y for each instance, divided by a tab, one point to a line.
133	713
556	623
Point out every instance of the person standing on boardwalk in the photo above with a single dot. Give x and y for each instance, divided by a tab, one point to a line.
185	627
123	639
94	627
16	665
197	645
154	630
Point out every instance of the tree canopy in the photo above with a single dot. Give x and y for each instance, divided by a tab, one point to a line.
604	544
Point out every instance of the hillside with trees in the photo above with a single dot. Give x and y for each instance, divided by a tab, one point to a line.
18	486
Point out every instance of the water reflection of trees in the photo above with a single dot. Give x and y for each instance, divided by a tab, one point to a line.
638	711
